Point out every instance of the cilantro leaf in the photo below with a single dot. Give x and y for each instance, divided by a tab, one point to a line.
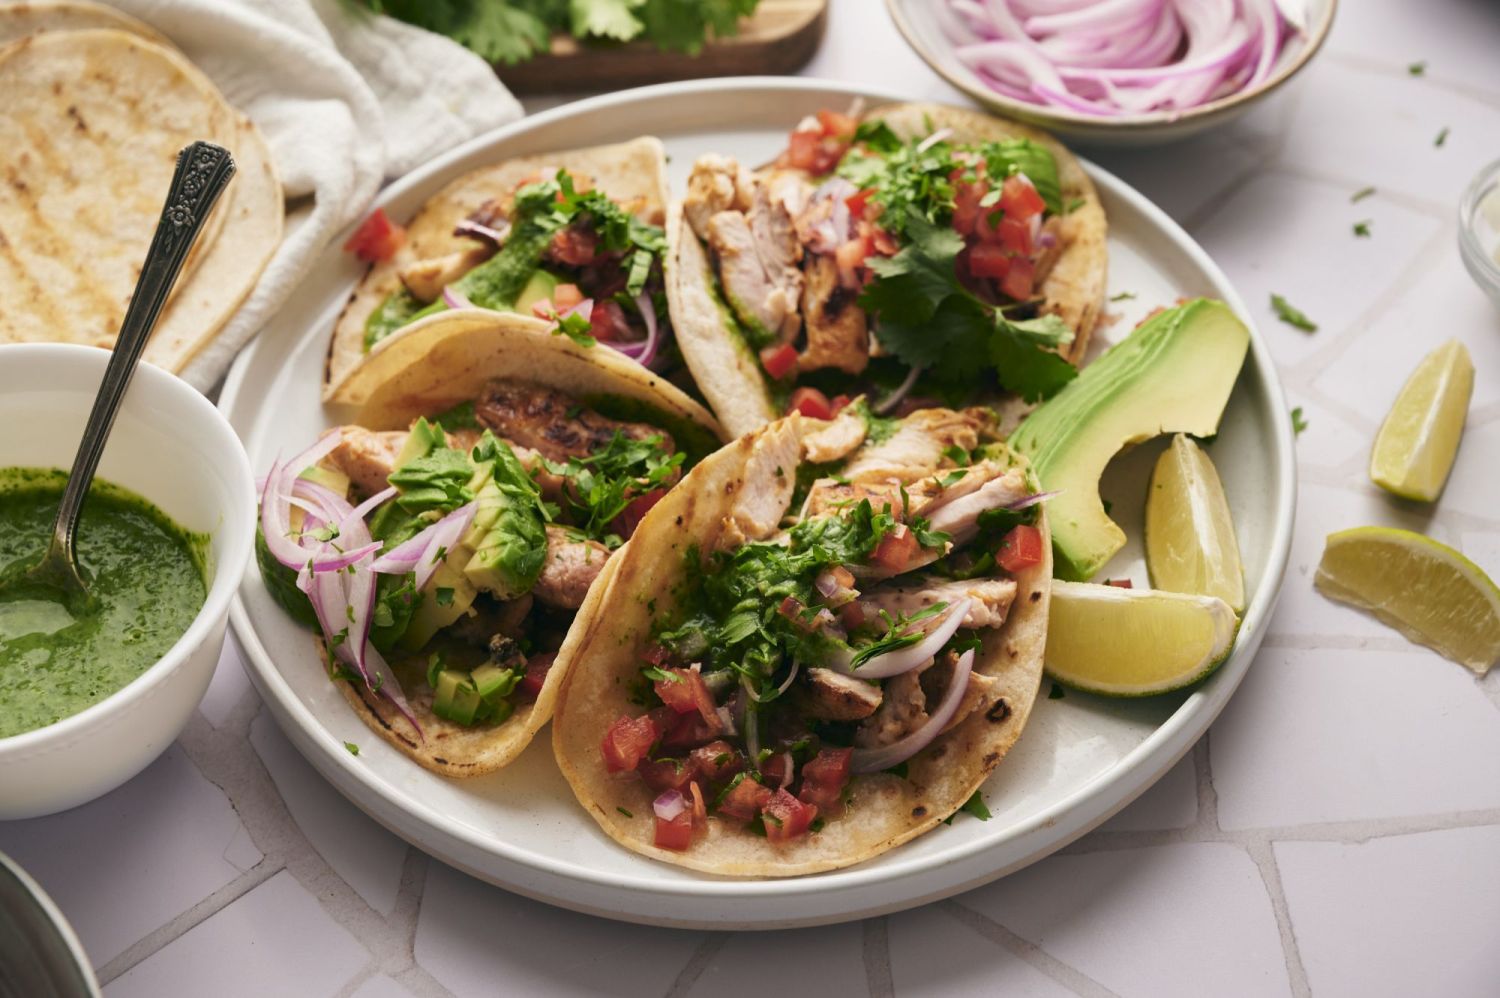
1291	315
1299	422
604	483
606	19
1361	194
1362	229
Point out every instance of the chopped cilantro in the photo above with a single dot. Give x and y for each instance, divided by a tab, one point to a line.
603	484
575	327
974	805
1361	194
661	675
899	633
1362	228
1298	422
1442	137
444	595
353	748
1418	68
1073	205
624	812
1291	315
1123	296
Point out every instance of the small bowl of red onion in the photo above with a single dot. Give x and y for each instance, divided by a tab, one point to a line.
1119	72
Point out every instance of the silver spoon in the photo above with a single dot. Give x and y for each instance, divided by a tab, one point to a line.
203	170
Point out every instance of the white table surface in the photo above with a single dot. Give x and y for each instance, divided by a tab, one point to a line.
1337	833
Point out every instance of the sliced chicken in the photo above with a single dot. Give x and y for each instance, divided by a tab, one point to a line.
903	709
765	491
831	495
834	696
572	565
992	598
757	253
552	423
960	518
979	692
837	438
717	183
367	457
426	279
917	447
837	335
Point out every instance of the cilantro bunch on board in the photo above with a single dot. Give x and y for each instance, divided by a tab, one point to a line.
925	316
511	31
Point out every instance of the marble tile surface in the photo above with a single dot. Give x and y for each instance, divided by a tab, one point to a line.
1337	832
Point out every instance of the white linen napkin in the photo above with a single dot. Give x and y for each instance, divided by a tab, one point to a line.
345	101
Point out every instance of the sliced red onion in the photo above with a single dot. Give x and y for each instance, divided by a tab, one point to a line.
337	560
484	233
455	299
893	663
276	508
726	721
1033	499
367	507
669	805
785	685
878	760
941	135
788	769
889	403
420	553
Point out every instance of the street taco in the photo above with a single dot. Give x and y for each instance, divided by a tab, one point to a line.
442	541
919	254
817	646
574	235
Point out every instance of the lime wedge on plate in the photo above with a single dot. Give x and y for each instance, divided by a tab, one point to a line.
1416	445
1134	642
1190	542
1425	590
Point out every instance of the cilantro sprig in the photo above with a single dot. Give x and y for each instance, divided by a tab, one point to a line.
602	484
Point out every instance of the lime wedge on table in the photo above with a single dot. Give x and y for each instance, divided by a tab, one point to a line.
1190	542
1425	590
1134	642
1416	445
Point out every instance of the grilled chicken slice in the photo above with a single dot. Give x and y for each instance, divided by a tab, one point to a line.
765	491
831	495
960	518
572	565
367	457
992	598
906	698
837	335
757	253
717	183
839	437
834	696
552	423
426	279
917	447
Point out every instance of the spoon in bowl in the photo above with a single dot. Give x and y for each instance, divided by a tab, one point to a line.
203	170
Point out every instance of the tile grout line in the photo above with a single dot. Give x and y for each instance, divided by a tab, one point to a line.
982	925
875	947
1376	66
699	962
1264	858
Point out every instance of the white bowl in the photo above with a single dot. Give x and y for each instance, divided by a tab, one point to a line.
172	447
921	24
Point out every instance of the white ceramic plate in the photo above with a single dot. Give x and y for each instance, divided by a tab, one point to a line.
1079	760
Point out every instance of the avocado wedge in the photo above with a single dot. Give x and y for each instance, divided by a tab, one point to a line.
1173	374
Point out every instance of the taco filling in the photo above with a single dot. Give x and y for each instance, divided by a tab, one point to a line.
554	246
831	629
444	564
908	269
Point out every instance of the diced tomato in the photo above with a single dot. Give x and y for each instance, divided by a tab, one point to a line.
573	246
839	126
544	309
824	778
895	549
1021	548
1019	199
811	403
1017	281
745	800
790	608
1120	583
988	260
779	360
883	242
857	202
778	769
635	511
657	655
690	731
686	693
786	818
966	207
377	238
627	741
662	775
852	615
537	667
839	402
1014	236
566	296
852	254
608	323
716	762
814	152
675	834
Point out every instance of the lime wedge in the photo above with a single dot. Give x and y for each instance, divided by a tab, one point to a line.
1190	542
1417	442
1134	642
1425	590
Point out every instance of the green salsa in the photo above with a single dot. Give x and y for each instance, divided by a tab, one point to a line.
145	573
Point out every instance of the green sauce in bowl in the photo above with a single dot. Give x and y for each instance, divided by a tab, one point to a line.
147	576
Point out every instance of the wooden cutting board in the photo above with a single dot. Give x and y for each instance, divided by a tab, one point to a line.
780	37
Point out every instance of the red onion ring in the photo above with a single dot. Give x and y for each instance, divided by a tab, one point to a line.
893	663
877	760
892	400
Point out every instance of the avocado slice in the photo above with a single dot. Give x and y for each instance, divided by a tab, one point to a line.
509	532
455	697
432	616
1173	374
538	288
